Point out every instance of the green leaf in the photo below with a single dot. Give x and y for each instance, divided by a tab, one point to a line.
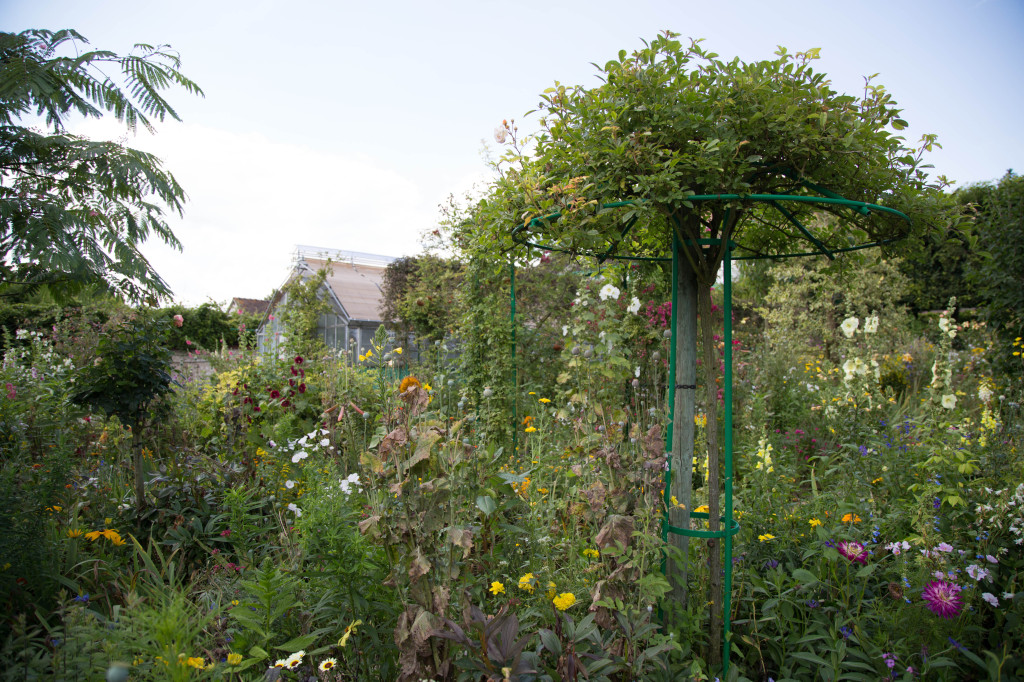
485	503
258	653
804	576
300	642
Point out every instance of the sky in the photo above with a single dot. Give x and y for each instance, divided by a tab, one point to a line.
346	125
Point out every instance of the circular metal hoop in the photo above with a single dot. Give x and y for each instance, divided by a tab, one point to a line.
862	207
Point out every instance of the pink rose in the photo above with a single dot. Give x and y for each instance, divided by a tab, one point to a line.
178	320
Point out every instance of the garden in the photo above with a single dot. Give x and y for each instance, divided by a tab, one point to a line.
497	510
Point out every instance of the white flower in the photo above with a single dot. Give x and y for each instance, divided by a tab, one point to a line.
294	508
299	456
944	324
325	442
565	330
984	393
1007	595
499	135
289	484
871	324
609	291
990	598
853	367
949	401
636	372
634	306
849	326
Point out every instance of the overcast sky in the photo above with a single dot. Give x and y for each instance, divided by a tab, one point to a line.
345	125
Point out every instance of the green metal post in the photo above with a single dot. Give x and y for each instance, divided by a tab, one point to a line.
727	600
515	368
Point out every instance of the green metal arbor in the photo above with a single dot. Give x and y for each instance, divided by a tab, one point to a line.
521	236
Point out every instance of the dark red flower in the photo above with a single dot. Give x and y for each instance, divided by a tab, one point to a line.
302	388
299	360
286	403
274	394
295	372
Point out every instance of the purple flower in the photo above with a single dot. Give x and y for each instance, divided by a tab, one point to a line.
845	631
943	598
890	660
854	551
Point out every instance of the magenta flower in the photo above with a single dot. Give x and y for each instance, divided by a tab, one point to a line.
178	320
854	551
943	598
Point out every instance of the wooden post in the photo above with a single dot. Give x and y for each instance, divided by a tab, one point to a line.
683	383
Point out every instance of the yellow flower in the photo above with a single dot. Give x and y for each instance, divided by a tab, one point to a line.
348	633
234	659
407	383
851	518
675	503
551	589
544	400
703	509
497	588
564	601
112	535
530	429
527	583
117	542
765	537
93	535
74	533
426	387
369	353
362	358
592	553
195	662
398	351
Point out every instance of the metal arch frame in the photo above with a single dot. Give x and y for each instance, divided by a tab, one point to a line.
731	526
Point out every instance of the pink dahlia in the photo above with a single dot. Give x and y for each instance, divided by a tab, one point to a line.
854	551
943	598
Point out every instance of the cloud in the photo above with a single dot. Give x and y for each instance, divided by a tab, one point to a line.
252	199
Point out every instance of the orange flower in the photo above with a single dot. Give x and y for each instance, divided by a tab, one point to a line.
851	518
407	383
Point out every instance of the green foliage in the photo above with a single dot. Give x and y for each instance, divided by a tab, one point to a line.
304	304
997	274
207	327
73	212
131	370
419	296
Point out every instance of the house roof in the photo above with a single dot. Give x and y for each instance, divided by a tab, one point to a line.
358	287
249	306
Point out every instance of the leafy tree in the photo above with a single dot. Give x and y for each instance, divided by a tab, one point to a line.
997	272
73	211
132	369
419	295
673	121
